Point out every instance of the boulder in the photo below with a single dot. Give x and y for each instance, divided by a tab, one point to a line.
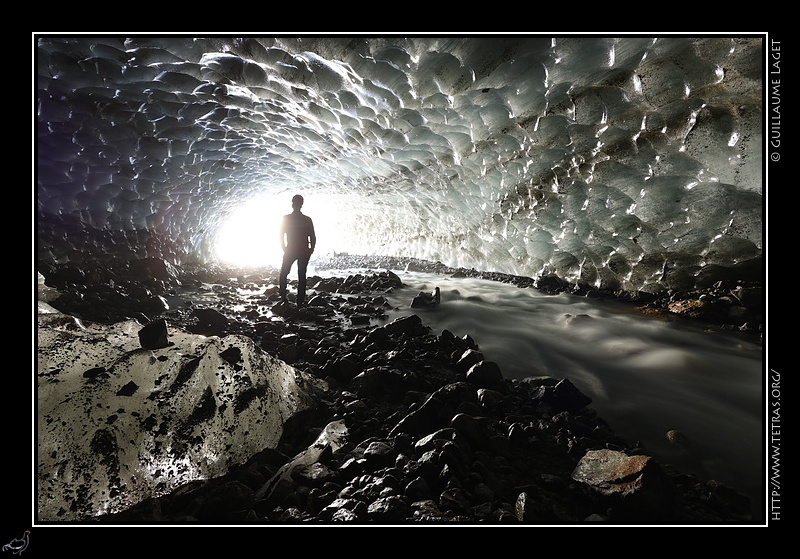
635	487
564	396
210	322
467	359
485	374
404	325
153	335
313	475
380	454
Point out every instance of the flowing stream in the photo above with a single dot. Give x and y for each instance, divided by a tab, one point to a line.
645	375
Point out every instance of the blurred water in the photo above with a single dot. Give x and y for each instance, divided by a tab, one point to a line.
645	375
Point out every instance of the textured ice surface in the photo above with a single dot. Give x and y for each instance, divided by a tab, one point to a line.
619	162
118	423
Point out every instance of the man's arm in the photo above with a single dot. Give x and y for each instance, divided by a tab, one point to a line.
282	234
312	236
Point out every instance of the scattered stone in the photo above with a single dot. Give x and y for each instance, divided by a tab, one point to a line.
210	322
128	390
485	374
564	396
467	360
635	485
154	335
426	300
678	439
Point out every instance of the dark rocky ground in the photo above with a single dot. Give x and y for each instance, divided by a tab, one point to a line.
436	434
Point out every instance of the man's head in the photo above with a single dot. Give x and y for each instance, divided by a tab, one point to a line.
297	201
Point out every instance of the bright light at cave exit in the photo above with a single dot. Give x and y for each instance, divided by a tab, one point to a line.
249	235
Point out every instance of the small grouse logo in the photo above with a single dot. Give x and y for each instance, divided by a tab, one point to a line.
18	545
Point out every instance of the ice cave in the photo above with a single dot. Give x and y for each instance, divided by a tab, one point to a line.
629	163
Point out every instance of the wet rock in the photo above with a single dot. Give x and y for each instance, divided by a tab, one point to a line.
678	439
128	390
470	428
376	381
489	399
454	500
633	485
530	511
380	454
564	396
344	510
95	373
391	509
485	374
313	475
427	300
154	335
210	322
467	359
404	325
578	319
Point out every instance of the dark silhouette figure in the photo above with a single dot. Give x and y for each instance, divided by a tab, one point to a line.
297	240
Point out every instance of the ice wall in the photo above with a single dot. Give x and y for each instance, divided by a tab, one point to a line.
620	162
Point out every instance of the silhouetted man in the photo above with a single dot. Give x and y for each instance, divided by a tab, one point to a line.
297	240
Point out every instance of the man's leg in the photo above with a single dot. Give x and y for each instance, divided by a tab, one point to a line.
302	266
286	266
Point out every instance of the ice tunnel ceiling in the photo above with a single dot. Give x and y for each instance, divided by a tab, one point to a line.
622	162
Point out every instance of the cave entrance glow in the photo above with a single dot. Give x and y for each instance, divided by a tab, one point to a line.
249	234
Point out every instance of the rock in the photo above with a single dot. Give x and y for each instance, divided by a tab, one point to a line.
578	319
678	439
470	428
128	390
485	374
232	355
389	509
210	322
635	486
154	335
433	413
530	511
154	305
344	510
313	475
404	325
380	454
750	297
426	300
564	396
95	373
693	308
454	499
375	381
426	510
489	399
467	359
428	442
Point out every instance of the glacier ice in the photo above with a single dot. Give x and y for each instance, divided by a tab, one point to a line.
630	162
118	423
